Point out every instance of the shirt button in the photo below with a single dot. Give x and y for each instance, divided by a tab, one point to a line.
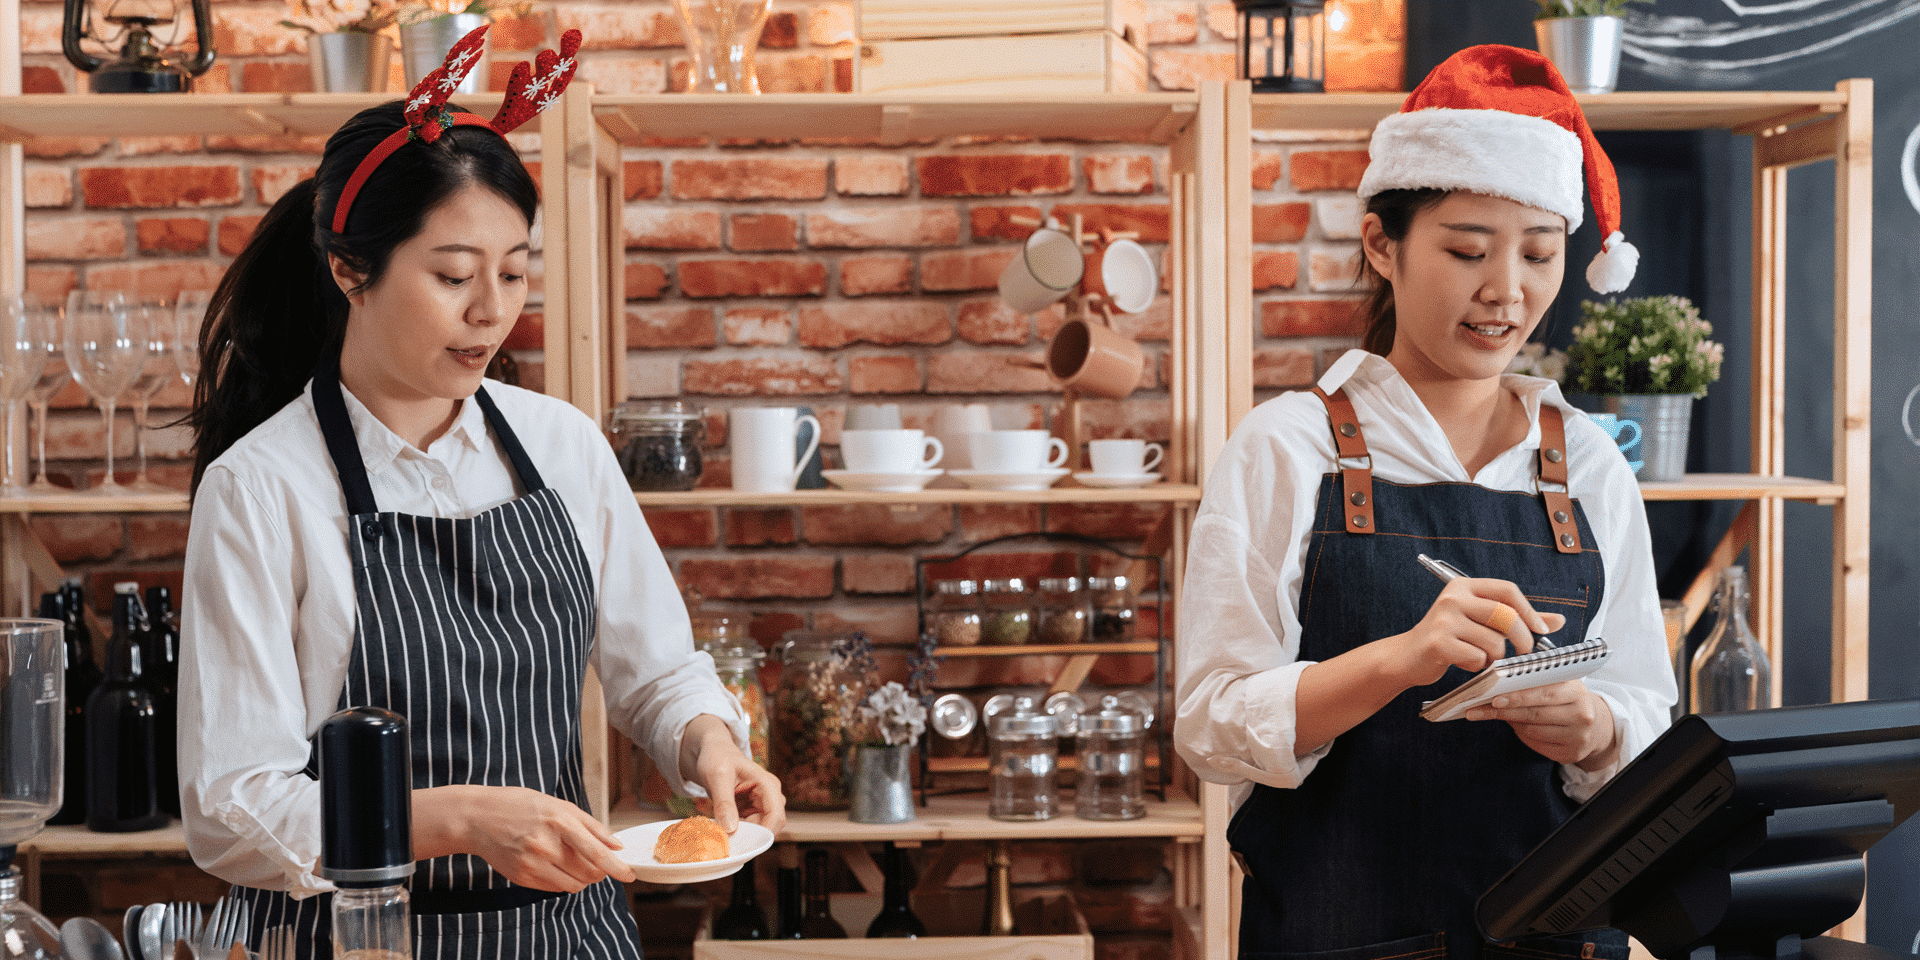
371	529
440	483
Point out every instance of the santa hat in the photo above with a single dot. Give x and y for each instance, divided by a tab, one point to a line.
1500	121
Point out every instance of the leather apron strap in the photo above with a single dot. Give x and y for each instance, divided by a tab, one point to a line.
1356	483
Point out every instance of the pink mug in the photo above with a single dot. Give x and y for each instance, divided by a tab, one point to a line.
1094	358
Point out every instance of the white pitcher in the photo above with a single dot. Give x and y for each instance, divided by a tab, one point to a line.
761	441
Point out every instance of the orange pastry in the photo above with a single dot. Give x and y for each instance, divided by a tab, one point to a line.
691	840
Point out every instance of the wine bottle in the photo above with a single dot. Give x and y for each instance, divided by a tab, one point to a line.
121	734
1731	673
816	920
786	886
743	919
999	919
896	918
160	653
83	677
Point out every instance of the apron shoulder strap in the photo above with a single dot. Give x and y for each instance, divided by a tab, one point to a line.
1356	483
522	464
331	410
1553	470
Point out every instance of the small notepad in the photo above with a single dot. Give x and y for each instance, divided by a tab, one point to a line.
1523	672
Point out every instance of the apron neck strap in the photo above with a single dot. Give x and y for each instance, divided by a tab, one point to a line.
516	454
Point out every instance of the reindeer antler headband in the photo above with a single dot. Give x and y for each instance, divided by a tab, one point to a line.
428	115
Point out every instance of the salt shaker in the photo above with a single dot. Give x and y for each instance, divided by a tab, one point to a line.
1112	747
1024	751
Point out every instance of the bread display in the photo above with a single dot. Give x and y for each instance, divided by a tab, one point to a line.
691	840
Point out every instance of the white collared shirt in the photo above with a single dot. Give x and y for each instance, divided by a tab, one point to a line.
1238	660
268	611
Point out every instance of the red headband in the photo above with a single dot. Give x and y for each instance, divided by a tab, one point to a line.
428	115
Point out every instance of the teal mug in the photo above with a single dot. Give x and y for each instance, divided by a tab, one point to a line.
1619	430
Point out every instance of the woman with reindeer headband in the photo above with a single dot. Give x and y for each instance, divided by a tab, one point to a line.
373	527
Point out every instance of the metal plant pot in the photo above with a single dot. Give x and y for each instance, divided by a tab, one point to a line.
349	62
1585	49
424	46
1664	420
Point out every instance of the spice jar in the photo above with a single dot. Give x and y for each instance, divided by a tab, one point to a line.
658	443
738	665
812	709
1064	614
953	616
1007	613
1023	753
1112	602
1112	749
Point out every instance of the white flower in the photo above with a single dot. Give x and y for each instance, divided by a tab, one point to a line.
899	716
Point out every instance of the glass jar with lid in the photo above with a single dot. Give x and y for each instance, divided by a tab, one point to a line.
1064	614
738	665
658	443
813	707
1023	753
953	613
1006	613
1112	748
1112	609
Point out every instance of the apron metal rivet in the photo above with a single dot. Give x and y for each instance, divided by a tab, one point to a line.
1559	516
371	529
1553	456
1359	499
1348	430
1566	540
1359	521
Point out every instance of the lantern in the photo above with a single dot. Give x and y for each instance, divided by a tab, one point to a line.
144	65
1283	45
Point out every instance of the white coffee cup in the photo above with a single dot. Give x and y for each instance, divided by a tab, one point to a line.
951	423
1123	458
1049	265
1123	272
761	443
889	451
1016	451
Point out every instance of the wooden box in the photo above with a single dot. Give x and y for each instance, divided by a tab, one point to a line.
1089	61
1046	927
927	19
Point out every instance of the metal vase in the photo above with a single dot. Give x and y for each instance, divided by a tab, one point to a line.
1585	49
881	784
349	62
424	46
1664	419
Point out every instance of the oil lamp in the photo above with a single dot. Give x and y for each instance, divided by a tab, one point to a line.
1283	45
144	65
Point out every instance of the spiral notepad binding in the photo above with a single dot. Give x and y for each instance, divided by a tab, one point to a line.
1547	659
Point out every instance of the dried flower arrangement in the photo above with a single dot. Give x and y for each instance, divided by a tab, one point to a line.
892	717
342	16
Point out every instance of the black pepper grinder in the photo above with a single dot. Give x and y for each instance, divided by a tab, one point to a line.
366	830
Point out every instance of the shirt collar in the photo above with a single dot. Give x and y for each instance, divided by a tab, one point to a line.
380	446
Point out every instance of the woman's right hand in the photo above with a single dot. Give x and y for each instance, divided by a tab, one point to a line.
532	839
1468	627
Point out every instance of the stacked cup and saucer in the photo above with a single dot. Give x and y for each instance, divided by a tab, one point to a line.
1121	463
883	457
1014	460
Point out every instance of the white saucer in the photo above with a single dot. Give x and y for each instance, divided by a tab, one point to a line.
747	842
1018	480
1116	479
906	482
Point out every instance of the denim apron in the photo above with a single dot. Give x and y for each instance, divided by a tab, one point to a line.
477	631
1384	849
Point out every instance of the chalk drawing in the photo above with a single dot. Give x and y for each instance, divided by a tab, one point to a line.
1743	38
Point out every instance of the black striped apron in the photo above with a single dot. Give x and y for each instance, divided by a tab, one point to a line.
478	632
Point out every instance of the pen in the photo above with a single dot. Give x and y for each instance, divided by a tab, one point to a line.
1447	571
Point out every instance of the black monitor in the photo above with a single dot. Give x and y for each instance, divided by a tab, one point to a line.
1734	835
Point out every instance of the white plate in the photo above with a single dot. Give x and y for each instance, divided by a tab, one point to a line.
881	482
1022	480
747	842
1116	479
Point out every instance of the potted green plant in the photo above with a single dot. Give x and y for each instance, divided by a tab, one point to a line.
430	28
349	44
1582	38
1647	359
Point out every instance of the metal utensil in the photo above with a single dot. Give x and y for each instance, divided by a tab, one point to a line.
153	922
183	923
130	932
277	944
226	926
84	938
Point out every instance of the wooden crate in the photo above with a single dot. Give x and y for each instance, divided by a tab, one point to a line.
1046	927
1090	61
927	19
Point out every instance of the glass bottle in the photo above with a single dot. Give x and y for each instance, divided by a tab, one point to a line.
160	652
816	700
816	920
999	918
25	934
658	443
896	917
1007	613
954	614
1023	752
1064	616
1112	609
786	891
366	831
122	733
83	676
743	919
1730	670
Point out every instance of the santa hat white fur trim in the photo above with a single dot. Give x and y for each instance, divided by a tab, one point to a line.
1526	159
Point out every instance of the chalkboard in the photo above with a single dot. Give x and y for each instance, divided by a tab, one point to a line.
1685	204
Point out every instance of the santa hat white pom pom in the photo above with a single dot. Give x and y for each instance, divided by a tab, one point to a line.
1613	268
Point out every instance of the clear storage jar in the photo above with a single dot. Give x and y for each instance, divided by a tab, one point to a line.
953	613
1023	754
1007	618
738	664
658	443
1112	609
1064	614
812	709
1112	750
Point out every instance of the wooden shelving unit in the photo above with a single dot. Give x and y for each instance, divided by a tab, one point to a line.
1064	492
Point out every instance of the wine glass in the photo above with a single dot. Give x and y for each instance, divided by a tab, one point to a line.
44	334
154	324
24	352
189	313
105	351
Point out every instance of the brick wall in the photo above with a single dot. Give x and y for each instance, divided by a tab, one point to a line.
797	273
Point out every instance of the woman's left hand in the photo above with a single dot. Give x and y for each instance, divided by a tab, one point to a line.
1564	722
736	786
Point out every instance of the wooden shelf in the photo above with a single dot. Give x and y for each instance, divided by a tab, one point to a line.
1740	486
168	114
1647	110
1064	493
1047	649
97	503
78	841
964	817
892	119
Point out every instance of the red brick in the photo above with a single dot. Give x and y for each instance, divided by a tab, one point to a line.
882	273
119	188
761	232
76	238
769	527
802	373
529	332
843	74
63	148
645	281
759	577
682	528
992	321
217	79
47	187
870	175
996	223
1328	169
758	326
1169	25
1002	175
1366	67
982	371
892	627
40	28
1280	222
172	234
631	75
1276	269
79	537
781	31
52	283
1266	169
271	181
1149	220
160	278
234	233
890	226
1119	173
652	328
642	179
1174	68
269	76
956	270
882	322
511	34
1282	368
753	278
1333	269
254	32
35	79
152	146
1310	318
620	25
889	374
750	178
873	525
670	228
264	144
793	73
831	23
157	537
